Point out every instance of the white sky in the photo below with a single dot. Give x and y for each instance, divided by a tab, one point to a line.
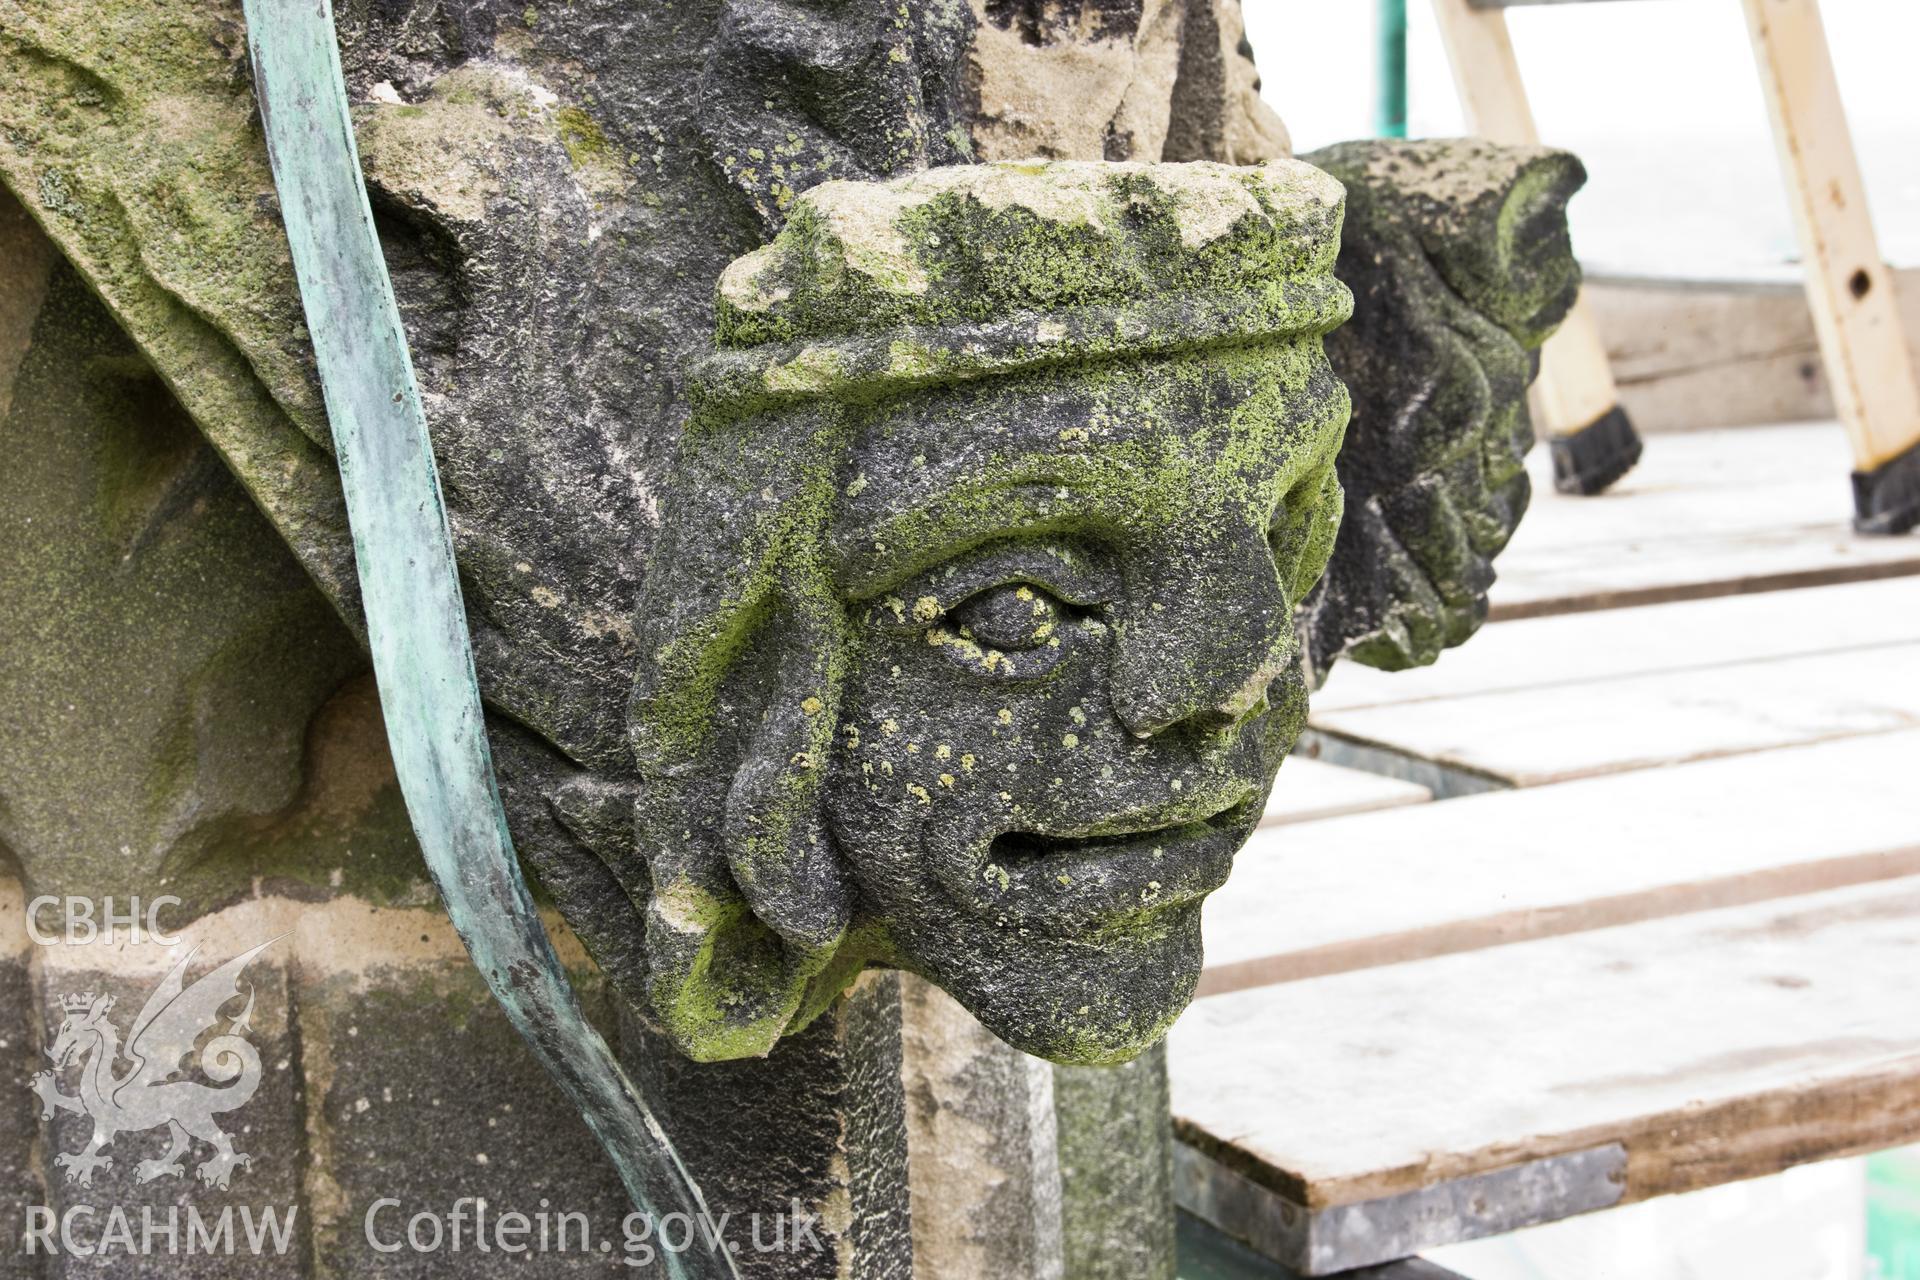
1659	96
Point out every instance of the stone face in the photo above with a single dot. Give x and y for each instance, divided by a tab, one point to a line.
558	191
972	612
931	359
1458	257
872	559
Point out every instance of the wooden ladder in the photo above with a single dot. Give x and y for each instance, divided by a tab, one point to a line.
1863	341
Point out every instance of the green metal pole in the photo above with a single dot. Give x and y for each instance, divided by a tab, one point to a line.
1390	70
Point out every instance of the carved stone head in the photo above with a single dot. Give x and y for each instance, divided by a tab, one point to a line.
969	642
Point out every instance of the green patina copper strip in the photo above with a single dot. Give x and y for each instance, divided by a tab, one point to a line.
416	623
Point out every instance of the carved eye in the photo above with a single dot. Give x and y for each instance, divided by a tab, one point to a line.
1009	618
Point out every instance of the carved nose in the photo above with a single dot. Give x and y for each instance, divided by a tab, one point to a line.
1207	635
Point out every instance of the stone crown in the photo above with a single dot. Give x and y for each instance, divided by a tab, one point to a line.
974	270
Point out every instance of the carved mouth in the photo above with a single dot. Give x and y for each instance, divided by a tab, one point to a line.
1069	883
1014	848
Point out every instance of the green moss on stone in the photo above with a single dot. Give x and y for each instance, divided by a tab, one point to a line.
581	136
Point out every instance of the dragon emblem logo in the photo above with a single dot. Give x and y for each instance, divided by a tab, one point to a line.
149	1091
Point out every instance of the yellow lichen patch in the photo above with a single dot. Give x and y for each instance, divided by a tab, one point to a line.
812	705
919	793
926	609
946	779
1069	740
942	752
966	762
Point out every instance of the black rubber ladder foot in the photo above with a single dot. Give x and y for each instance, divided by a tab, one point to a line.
1886	500
1592	458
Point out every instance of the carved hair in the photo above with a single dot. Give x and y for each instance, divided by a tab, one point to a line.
733	719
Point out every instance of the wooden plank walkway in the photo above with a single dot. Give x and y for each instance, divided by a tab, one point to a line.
1669	944
1387	887
1557	698
1552	652
1531	737
1365	1108
1307	790
1706	513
